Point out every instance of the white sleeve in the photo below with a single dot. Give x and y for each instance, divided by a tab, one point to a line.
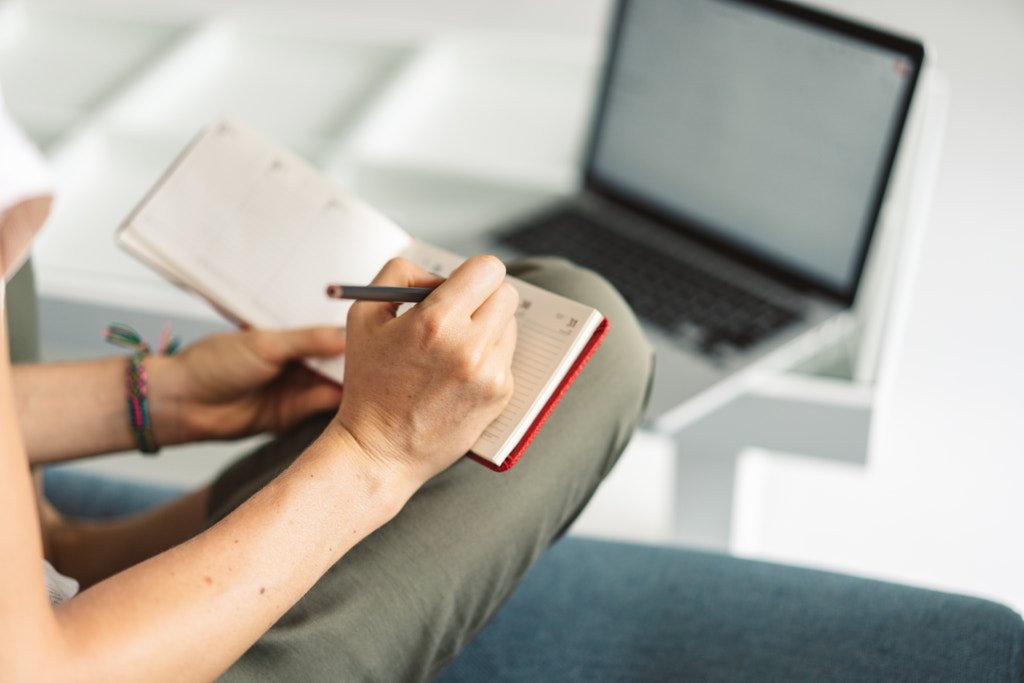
24	172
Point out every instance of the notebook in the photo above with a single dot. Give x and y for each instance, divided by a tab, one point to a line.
737	164
260	233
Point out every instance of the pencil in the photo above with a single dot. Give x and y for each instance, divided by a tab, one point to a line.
375	293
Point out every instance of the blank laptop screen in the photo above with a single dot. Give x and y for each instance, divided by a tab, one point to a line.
765	132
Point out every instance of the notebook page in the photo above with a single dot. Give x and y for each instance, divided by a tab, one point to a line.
260	232
552	332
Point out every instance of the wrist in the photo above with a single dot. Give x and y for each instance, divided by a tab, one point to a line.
143	410
163	401
389	480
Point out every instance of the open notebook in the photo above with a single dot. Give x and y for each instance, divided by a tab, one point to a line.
259	233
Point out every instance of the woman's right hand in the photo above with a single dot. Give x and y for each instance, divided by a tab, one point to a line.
420	388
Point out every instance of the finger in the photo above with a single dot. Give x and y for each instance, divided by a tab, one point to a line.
506	341
307	401
493	315
398	272
304	390
504	349
469	285
282	346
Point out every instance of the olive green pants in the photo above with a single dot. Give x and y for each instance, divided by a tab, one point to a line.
401	604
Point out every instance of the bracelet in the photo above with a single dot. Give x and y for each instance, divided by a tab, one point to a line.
138	408
138	405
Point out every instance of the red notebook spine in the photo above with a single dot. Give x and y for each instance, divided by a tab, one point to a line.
542	416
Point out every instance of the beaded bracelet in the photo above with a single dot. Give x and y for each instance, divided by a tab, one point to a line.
138	406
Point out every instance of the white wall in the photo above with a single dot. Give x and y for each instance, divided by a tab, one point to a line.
940	503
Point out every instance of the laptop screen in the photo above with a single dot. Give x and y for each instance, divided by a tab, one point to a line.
768	129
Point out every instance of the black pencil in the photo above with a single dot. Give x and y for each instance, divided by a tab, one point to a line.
375	293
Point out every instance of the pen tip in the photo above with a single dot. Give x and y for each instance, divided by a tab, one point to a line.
334	290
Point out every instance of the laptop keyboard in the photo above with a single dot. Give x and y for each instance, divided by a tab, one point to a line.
697	308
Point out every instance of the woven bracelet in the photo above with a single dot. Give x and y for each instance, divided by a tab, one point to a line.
138	405
138	408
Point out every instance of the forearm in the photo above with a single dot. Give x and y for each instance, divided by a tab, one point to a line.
70	410
79	409
93	550
189	612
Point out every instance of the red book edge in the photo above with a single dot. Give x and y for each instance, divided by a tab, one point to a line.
542	416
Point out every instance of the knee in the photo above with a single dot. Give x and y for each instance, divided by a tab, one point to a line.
564	277
625	353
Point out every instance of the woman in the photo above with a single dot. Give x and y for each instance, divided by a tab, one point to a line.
358	545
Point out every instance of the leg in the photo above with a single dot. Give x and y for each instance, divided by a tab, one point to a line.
403	603
96	526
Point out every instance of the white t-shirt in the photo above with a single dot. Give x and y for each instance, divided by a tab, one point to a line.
24	174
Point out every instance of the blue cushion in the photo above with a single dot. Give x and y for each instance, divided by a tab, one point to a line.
600	611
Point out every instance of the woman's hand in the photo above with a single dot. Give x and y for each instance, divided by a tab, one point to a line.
421	387
240	383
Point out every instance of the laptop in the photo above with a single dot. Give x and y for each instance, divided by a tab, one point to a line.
737	164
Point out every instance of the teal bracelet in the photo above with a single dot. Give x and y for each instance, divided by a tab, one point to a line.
138	404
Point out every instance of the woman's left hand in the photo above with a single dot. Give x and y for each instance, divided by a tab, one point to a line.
240	383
